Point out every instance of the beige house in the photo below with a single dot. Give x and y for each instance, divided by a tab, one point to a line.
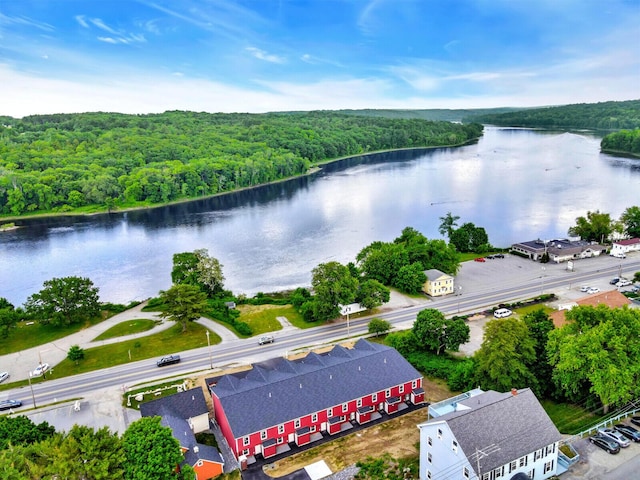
438	283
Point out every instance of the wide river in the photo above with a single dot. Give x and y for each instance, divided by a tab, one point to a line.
516	183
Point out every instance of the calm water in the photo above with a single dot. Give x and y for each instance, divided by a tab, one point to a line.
518	184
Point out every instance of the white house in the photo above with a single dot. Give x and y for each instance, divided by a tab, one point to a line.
625	246
489	436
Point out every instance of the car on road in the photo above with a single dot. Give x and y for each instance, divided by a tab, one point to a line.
614	280
629	432
614	435
168	360
498	255
624	283
479	259
593	290
4	376
585	288
40	369
266	339
7	404
605	443
502	312
618	255
635	421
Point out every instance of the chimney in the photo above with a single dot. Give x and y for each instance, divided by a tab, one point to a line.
196	449
514	392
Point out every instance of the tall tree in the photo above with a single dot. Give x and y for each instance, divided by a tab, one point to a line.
469	238
378	326
183	303
21	430
598	350
447	223
150	450
630	219
381	261
595	227
8	317
333	285
200	269
410	278
436	333
539	325
64	301
506	350
372	294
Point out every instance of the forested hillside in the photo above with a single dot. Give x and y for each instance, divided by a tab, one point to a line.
624	141
602	116
100	161
439	114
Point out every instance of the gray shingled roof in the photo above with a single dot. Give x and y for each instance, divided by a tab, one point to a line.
503	426
279	390
434	274
187	404
174	411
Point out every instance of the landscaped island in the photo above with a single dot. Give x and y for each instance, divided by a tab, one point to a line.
94	162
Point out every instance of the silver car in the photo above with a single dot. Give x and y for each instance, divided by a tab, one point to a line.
614	435
3	376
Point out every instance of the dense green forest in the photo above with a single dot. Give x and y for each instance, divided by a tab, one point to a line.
439	114
597	116
624	141
99	161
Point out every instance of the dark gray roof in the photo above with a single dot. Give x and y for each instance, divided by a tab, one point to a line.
174	411
503	426
434	274
187	404
280	390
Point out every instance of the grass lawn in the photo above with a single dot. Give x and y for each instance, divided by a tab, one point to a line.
26	336
532	308
127	328
262	318
569	419
152	346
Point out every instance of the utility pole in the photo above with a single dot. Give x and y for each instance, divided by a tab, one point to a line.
209	345
33	397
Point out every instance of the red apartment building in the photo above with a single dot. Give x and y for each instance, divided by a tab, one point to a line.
280	402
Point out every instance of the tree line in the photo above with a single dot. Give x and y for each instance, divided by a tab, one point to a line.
102	161
596	116
624	141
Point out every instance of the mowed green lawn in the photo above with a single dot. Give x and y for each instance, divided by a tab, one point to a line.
263	318
128	327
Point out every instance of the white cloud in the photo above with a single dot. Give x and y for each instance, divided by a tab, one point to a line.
108	40
262	55
80	19
103	26
25	22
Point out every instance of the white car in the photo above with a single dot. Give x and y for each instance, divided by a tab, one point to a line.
615	435
3	376
593	290
618	255
623	282
585	288
43	367
502	312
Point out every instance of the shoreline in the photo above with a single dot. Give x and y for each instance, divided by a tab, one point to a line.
310	171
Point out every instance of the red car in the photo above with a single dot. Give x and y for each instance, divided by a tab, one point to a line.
480	259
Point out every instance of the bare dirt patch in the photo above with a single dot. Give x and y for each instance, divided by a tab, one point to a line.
398	437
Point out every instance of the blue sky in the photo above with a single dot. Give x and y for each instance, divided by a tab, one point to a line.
142	56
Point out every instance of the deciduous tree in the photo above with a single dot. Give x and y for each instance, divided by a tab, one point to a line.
64	301
630	219
333	286
372	294
150	450
447	223
75	353
506	350
436	333
183	303
378	326
595	227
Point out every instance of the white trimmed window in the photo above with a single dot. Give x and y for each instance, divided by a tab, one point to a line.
281	428
430	441
388	392
345	407
465	472
374	397
512	466
454	446
548	466
245	441
297	423
523	461
428	474
429	458
330	413
414	384
439	434
359	402
263	435
314	417
402	388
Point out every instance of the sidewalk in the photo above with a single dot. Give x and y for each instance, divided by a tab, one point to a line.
19	364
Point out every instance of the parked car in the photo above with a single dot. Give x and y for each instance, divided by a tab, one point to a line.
635	420
7	404
605	444
618	255
614	435
585	288
502	312
498	255
593	290
614	280
4	376
168	360
624	283
636	288
266	339
40	369
628	431
479	259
